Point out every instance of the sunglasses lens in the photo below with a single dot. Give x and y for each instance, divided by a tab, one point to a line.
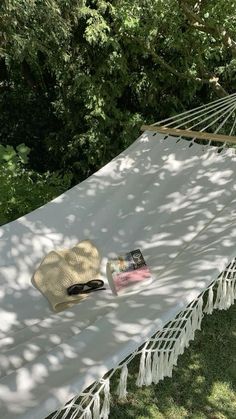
75	289
95	283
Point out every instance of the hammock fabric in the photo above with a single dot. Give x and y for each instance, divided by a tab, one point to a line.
173	199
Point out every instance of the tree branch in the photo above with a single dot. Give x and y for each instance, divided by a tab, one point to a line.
208	78
214	82
198	23
164	64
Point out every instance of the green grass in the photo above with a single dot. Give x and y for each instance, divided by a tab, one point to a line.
203	383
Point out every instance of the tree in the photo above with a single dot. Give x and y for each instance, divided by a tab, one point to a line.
79	77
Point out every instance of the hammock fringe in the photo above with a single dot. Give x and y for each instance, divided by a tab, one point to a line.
88	414
159	354
122	386
209	307
106	403
96	406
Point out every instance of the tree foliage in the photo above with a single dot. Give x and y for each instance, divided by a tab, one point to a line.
21	189
78	77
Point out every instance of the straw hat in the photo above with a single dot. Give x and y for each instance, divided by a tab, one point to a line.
62	268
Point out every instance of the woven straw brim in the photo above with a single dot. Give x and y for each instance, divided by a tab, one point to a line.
63	268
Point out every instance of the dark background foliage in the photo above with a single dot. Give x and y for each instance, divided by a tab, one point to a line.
79	77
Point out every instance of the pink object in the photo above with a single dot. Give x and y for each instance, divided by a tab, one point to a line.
124	279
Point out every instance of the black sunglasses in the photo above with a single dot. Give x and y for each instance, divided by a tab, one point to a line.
94	285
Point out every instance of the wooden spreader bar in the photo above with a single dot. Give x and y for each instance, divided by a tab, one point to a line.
191	134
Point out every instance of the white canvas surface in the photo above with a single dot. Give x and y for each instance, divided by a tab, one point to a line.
174	202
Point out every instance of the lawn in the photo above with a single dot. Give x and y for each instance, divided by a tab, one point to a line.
203	383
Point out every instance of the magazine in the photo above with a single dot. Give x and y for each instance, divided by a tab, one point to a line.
128	272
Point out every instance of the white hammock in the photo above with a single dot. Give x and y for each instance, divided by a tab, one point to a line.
172	198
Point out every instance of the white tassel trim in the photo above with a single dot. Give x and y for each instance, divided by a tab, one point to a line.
148	369
122	386
155	364
87	413
141	374
96	406
155	367
225	295
209	305
106	402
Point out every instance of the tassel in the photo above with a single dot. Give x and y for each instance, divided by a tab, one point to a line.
170	362
106	403
141	374
219	292
209	305
196	317
96	406
233	284
148	369
199	313
160	365
225	294
155	363
233	294
166	366
165	363
194	322
176	354
223	302
188	334
229	294
87	413
191	327
182	339
122	387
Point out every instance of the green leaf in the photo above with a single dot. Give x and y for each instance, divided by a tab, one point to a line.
23	152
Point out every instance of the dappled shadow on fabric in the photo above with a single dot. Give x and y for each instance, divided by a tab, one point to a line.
202	384
175	203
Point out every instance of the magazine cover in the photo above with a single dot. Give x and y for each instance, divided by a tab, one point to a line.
128	272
